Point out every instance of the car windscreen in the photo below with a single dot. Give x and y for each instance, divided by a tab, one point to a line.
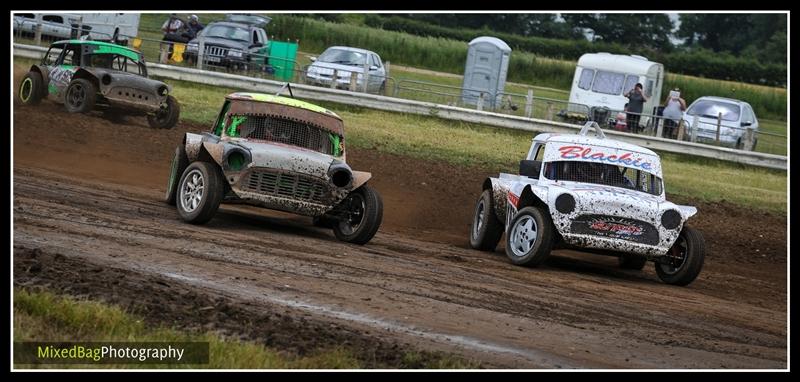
227	32
712	109
604	174
342	56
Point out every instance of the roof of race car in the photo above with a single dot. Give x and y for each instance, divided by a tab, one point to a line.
261	97
106	47
585	140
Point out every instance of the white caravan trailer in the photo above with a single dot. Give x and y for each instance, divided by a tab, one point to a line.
602	79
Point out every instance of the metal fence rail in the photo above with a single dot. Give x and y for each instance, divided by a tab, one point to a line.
379	102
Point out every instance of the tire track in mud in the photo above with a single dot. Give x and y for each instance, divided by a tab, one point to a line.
408	272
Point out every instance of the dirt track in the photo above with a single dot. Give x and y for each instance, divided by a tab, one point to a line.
87	212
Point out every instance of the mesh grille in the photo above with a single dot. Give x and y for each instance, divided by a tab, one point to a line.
286	131
216	51
287	185
606	174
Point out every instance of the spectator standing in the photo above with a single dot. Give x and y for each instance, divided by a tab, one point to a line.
636	101
193	27
673	113
173	29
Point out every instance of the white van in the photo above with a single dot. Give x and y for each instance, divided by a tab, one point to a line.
100	26
602	79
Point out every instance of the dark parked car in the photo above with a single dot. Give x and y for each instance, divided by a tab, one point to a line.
228	44
90	75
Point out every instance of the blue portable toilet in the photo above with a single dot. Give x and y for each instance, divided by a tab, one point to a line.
486	70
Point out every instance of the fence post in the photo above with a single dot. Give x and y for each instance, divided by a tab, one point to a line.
353	82
480	101
529	104
334	78
749	134
659	126
386	68
366	73
719	124
694	130
680	129
37	34
549	113
201	52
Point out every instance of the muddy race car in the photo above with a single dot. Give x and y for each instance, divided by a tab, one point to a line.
278	153
589	193
86	75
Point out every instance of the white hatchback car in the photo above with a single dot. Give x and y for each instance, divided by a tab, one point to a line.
736	117
346	61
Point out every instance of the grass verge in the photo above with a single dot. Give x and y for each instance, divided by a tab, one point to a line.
43	316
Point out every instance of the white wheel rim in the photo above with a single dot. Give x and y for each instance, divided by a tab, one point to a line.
523	236
476	227
192	190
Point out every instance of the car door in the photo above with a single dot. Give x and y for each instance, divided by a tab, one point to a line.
60	73
377	76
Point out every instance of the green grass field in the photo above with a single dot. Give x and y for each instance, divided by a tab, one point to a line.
43	316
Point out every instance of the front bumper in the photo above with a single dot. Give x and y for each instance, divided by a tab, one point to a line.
616	245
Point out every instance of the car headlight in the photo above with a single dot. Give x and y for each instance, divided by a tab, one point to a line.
670	219
235	53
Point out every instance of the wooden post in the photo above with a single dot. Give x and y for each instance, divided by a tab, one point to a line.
480	101
353	82
694	129
201	52
366	73
749	135
719	125
386	68
659	126
549	114
680	130
37	34
529	104
334	78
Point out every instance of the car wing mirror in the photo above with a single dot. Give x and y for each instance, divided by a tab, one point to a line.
747	123
373	67
312	58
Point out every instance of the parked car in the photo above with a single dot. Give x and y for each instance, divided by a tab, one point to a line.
230	45
347	61
99	26
736	117
87	75
277	153
590	193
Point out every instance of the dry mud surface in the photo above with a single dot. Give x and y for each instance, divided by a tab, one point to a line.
89	221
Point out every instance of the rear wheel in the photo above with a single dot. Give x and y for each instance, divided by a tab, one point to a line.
80	97
486	228
200	192
529	238
364	209
684	260
167	116
30	89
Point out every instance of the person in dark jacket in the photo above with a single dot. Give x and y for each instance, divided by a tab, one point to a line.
636	101
193	27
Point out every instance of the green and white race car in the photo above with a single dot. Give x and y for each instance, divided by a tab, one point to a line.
87	75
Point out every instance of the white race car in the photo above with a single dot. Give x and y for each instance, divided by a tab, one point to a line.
592	193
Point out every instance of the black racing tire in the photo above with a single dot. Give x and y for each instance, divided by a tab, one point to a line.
200	192
365	208
179	163
634	262
529	237
165	118
486	229
690	247
80	96
30	89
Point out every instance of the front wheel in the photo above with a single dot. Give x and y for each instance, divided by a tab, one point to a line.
486	228
364	209
684	260
167	116
200	192
529	237
80	96
30	89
